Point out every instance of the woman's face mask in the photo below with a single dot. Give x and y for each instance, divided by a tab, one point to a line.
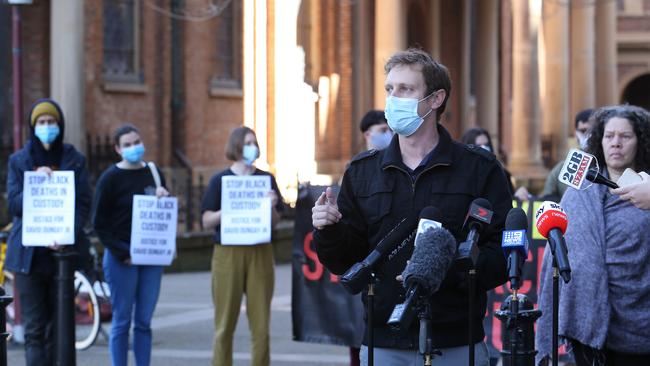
47	133
402	114
250	154
133	154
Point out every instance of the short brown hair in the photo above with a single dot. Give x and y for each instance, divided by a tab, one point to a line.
436	75
124	129
235	144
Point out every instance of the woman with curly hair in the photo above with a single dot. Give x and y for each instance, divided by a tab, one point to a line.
603	310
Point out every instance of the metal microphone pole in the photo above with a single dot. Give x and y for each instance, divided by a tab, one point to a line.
556	307
470	307
425	339
370	326
517	330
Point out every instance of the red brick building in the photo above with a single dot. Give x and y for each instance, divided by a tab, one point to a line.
303	72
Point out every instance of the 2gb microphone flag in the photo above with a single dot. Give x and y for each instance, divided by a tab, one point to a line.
574	169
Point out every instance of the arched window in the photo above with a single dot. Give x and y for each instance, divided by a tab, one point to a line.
122	41
228	56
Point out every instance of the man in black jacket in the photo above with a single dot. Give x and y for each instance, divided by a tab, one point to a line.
421	167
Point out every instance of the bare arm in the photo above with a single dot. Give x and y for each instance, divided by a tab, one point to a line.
211	219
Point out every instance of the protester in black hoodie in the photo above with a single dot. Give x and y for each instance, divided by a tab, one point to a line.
34	266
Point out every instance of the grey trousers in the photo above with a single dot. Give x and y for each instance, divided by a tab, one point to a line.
454	356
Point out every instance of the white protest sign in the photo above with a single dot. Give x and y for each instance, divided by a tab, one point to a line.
153	230
575	167
245	210
48	208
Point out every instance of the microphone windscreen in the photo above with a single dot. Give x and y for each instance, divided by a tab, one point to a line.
482	202
516	219
434	252
431	213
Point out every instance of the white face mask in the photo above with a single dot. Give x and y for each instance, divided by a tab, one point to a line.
582	140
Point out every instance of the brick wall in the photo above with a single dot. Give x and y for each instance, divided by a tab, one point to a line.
207	120
145	105
35	54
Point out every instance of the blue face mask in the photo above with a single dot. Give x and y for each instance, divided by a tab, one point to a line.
380	140
133	154
250	154
47	133
402	114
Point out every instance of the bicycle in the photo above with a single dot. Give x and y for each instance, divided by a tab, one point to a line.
92	301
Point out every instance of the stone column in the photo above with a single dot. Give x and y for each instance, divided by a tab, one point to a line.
67	67
390	37
487	48
583	86
606	58
555	82
526	153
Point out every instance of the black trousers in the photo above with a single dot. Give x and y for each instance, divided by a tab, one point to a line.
37	302
587	356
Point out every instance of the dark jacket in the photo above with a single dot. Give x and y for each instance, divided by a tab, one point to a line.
377	191
19	257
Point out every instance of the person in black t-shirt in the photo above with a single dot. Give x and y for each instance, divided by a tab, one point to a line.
239	269
132	286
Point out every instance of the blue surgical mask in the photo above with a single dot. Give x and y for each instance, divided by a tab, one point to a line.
250	154
47	133
402	114
133	154
380	140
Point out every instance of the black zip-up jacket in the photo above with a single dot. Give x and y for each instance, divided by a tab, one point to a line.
378	191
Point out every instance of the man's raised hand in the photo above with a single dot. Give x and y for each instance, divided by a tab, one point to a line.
325	211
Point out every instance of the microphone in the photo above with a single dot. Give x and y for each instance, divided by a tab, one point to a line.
551	222
357	277
478	217
594	176
434	252
515	244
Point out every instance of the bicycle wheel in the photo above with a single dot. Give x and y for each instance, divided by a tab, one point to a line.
17	333
86	312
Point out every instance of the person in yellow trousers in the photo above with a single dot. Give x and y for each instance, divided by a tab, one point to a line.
240	269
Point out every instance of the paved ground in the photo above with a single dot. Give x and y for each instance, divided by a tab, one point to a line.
183	329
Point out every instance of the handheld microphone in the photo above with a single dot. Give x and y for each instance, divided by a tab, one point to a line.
515	244
594	176
478	217
357	277
551	222
434	252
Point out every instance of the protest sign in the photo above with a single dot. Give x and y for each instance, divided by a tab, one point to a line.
245	210
48	208
153	230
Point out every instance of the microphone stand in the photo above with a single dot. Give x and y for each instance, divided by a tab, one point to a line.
472	290
468	250
514	310
370	309
425	339
556	306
